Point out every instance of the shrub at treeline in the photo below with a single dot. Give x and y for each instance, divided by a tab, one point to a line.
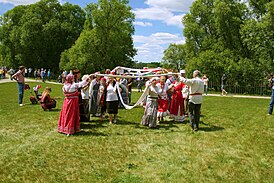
227	36
222	36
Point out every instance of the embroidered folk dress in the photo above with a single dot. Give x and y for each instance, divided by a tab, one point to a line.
150	114
177	102
69	120
93	91
163	100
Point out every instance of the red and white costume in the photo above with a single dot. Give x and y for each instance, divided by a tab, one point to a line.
177	102
69	120
163	100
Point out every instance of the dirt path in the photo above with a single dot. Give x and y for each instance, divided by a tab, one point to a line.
7	80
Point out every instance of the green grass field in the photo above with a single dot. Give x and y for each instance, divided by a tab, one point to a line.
235	144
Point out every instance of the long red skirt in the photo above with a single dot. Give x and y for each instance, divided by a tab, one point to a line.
177	104
69	120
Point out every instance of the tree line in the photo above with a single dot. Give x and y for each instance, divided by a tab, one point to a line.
227	36
48	34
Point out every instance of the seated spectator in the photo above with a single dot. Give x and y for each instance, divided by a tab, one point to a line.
46	102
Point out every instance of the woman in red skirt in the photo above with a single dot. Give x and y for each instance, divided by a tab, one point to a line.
69	121
177	102
163	99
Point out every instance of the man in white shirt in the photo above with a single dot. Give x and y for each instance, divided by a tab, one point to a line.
196	91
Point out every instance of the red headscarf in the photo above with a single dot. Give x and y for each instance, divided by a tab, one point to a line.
103	79
69	79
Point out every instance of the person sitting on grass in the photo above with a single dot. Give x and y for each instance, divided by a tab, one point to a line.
46	102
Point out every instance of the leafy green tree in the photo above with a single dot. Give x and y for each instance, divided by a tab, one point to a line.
35	35
257	35
227	36
106	40
174	56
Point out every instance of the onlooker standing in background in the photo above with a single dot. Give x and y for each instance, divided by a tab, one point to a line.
223	80
26	72
1	73
19	77
205	80
35	74
43	75
39	73
271	84
29	72
49	74
11	72
4	71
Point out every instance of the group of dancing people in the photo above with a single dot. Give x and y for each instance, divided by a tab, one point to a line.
175	96
96	95
93	96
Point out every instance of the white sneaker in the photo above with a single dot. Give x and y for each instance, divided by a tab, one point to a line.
20	105
114	121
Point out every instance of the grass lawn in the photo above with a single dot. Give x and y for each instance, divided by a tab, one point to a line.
235	144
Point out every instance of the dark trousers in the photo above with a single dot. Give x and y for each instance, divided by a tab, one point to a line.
194	114
129	97
270	110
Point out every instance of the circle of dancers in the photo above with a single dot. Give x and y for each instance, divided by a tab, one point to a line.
166	95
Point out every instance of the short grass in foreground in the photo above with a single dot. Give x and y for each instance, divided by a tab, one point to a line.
235	144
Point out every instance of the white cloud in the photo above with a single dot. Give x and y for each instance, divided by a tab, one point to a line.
172	5
21	2
158	38
152	13
151	48
175	20
143	24
165	11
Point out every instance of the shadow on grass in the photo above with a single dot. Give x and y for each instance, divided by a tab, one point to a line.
123	122
90	133
54	110
173	122
91	125
165	126
158	127
210	128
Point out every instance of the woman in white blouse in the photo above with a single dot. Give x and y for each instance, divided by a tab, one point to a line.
112	100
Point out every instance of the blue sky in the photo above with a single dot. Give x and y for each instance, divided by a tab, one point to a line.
157	23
